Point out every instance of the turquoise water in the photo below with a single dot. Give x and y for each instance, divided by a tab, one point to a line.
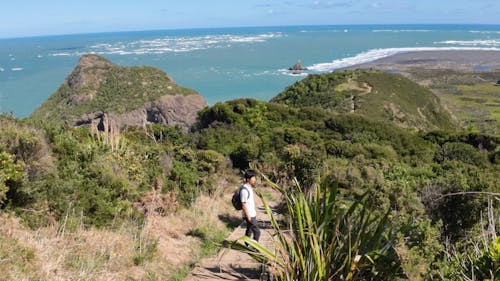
221	64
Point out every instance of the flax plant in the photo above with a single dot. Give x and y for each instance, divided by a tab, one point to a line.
326	237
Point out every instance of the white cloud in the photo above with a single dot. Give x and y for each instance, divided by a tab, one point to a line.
393	5
330	4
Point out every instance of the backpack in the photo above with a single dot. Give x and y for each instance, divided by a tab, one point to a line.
236	200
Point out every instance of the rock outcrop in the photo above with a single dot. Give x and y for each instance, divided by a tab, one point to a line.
297	67
169	110
97	91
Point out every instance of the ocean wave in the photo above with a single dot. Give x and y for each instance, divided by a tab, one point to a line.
484	31
60	54
2	69
172	44
328	30
489	42
16	69
401	30
292	73
373	55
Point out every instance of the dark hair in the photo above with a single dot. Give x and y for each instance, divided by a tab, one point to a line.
249	174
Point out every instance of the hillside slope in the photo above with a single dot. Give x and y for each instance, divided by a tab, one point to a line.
377	95
97	90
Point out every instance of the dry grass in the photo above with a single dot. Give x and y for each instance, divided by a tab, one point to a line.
156	250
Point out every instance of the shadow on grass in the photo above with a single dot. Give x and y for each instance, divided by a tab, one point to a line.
197	233
231	221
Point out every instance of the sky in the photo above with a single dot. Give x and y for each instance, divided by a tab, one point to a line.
25	18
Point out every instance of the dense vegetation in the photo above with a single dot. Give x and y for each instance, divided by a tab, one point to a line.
67	170
436	186
405	172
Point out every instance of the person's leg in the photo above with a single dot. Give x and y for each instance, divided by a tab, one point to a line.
255	229
249	231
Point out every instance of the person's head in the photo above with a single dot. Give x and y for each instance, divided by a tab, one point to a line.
250	177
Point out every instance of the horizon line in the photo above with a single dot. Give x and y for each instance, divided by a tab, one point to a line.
242	27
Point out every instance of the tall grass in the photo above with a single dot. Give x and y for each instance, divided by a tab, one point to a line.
326	237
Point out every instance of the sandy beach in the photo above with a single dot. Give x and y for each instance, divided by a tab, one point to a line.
480	60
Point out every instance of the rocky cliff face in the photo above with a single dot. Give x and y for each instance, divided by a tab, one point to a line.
179	111
98	92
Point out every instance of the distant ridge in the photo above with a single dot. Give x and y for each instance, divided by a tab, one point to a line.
377	95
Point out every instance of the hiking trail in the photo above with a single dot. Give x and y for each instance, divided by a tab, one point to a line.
231	264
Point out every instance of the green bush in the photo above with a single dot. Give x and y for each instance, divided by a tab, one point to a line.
245	153
303	163
210	161
344	149
184	179
377	151
12	176
463	152
460	212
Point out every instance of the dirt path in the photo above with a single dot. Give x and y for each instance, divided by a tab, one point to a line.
231	264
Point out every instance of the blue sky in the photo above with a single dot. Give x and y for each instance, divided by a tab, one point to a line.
21	18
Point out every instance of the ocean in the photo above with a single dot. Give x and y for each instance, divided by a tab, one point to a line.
224	63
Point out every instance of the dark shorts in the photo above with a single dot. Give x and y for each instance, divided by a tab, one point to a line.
253	228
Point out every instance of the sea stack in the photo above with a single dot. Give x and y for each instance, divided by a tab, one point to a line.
297	67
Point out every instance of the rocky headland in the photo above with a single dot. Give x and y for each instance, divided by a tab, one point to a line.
99	92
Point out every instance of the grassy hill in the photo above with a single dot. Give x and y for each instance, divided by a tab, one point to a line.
97	85
374	94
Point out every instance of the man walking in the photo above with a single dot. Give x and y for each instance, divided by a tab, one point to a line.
248	204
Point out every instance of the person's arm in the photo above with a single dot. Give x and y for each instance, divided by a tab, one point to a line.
245	210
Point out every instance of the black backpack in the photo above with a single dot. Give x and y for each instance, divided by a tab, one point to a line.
236	200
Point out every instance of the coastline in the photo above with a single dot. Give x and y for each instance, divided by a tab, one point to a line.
223	64
468	60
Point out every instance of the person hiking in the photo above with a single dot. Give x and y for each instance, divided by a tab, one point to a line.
248	205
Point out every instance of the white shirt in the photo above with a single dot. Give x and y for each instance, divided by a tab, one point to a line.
246	196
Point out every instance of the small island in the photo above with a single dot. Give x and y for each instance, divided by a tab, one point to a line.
297	67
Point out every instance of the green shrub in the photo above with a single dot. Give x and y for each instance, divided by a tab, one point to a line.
245	153
12	176
377	151
344	149
210	161
463	152
303	163
460	212
184	179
